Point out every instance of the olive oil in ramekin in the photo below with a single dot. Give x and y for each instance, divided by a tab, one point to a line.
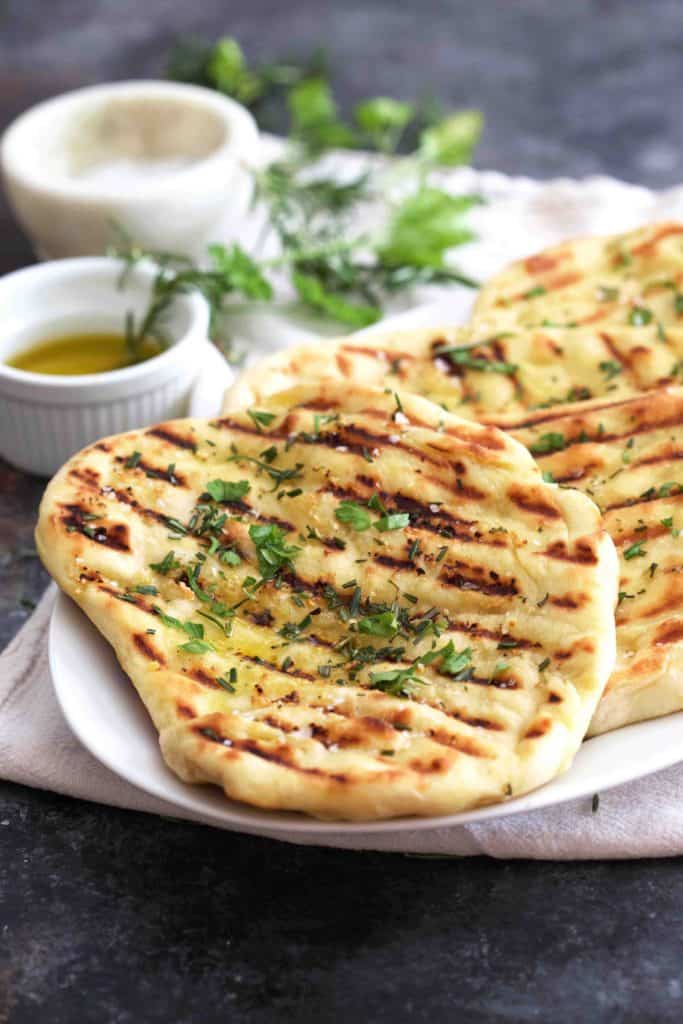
78	354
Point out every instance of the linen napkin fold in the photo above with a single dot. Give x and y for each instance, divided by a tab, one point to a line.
640	819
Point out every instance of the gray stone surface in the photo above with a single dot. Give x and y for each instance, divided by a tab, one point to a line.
113	917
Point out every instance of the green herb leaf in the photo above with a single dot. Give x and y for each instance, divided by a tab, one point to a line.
425	226
314	292
548	443
381	624
452	140
272	551
228	490
395	521
635	551
196	647
640	316
261	419
354	514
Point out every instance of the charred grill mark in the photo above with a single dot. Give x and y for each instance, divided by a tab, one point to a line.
560	413
542	262
475	630
537	729
649	245
102	446
173	478
401	564
532	499
200	676
452	577
583	553
552	284
569	600
623	359
184	711
147	513
383	353
164	433
147	648
255	660
75	520
422	517
245	508
281	756
86	475
669	632
673	455
434	767
578	473
642	500
463	744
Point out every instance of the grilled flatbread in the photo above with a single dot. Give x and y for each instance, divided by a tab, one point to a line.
627	456
350	604
477	372
633	279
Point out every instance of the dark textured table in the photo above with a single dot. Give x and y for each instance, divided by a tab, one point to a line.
110	916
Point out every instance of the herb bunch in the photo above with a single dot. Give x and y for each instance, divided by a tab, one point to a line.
333	268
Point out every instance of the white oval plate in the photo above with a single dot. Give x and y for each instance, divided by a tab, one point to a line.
103	710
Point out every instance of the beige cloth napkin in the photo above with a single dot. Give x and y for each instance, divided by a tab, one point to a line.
641	819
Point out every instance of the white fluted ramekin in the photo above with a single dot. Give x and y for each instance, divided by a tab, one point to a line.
45	419
47	152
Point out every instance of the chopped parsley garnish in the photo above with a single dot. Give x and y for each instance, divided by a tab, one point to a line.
354	514
607	294
669	523
133	460
534	292
543	664
635	551
228	490
272	551
196	647
261	419
167	563
611	368
640	316
396	521
548	476
278	475
145	588
228	684
395	681
548	443
461	355
381	624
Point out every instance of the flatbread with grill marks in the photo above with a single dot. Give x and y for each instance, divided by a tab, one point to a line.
631	279
352	605
478	372
627	456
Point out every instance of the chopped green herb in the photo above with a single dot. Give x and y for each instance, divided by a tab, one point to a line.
548	443
196	647
640	316
145	588
396	521
272	551
611	368
228	490
261	419
635	551
133	460
381	624
354	514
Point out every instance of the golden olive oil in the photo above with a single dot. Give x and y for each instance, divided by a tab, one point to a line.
83	353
